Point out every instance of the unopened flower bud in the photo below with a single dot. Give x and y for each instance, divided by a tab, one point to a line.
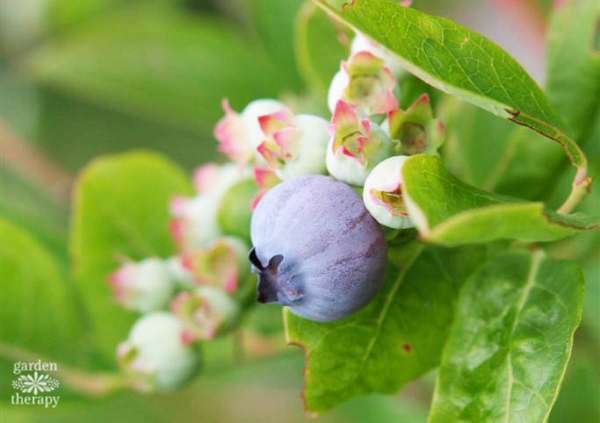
239	134
222	264
214	180
195	222
205	312
356	145
416	128
143	286
361	43
179	273
382	194
364	82
156	354
294	145
266	179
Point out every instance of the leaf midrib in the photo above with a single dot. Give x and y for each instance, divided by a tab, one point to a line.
388	302
536	259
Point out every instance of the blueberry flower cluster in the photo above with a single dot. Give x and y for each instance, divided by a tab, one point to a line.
195	295
318	247
289	200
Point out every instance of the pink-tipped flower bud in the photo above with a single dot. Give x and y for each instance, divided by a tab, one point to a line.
364	82
416	128
205	312
356	145
239	134
361	43
266	179
157	355
382	194
294	145
195	220
214	180
222	264
183	278
143	286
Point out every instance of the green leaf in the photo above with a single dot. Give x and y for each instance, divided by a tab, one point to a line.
460	62
591	147
507	353
494	155
34	209
573	76
160	64
590	265
449	212
578	399
318	48
37	310
62	14
411	88
585	248
120	210
274	22
73	131
396	338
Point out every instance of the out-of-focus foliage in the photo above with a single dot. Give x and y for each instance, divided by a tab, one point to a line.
119	212
38	288
82	78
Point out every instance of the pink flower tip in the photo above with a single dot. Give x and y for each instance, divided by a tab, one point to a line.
204	176
178	205
188	337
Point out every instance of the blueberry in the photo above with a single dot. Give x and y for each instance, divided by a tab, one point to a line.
316	248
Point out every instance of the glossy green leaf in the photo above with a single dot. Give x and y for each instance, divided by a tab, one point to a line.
161	64
449	212
396	338
507	353
460	62
120	211
318	47
37	312
573	75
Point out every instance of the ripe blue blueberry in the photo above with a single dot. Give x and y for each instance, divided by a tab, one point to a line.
316	248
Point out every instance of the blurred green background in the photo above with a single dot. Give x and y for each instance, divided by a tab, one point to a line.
83	78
